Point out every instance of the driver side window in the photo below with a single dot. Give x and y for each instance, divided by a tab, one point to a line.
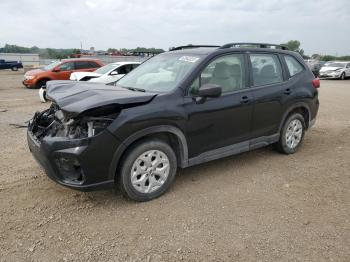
225	71
122	70
67	66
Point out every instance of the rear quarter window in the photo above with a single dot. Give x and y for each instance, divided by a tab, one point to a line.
294	67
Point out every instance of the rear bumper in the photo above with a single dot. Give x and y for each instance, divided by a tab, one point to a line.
314	113
81	164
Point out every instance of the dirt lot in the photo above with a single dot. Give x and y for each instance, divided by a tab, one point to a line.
258	206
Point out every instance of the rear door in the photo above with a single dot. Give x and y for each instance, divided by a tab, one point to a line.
271	91
85	66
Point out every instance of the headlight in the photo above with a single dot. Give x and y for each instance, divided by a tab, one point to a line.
337	70
28	77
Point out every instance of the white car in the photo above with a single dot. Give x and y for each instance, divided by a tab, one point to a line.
336	70
106	74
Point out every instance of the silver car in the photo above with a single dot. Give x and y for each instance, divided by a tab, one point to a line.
335	70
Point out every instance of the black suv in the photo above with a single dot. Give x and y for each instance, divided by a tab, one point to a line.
180	108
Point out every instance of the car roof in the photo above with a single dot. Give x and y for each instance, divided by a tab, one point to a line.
80	59
125	63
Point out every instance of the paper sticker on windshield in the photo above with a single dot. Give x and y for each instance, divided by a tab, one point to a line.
191	59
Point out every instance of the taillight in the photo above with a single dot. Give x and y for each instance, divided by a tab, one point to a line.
316	83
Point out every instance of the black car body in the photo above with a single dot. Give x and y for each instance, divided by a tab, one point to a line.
13	65
82	140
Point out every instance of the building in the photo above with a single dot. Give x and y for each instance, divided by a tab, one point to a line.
28	60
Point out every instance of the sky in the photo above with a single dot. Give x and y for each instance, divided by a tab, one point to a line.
322	26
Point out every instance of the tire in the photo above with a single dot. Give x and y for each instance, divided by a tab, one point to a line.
42	95
40	84
15	68
293	130
139	178
342	76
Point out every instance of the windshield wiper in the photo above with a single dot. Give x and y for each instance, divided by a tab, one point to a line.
134	89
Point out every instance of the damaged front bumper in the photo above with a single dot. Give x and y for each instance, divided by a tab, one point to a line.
80	163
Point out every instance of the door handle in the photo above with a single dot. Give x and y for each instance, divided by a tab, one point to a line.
288	91
244	100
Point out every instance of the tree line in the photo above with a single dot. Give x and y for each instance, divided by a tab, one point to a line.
60	53
294	45
54	53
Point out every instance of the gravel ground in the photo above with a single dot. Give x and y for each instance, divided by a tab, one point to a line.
257	206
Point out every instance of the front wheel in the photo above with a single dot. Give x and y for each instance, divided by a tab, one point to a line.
292	134
14	68
42	95
342	76
41	84
147	170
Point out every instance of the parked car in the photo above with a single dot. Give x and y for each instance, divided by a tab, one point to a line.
59	70
106	74
335	70
315	66
178	109
13	65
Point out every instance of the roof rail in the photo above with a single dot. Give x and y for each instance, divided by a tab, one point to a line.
191	46
259	45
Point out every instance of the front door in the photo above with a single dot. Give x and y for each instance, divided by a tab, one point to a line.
224	121
65	69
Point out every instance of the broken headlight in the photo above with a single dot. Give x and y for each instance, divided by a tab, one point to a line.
96	125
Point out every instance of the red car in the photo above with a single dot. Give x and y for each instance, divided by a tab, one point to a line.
59	70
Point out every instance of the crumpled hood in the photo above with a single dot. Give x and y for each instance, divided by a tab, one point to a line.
77	97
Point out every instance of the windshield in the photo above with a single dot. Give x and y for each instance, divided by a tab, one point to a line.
335	65
161	73
105	69
52	65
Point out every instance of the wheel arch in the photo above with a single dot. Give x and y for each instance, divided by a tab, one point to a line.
177	141
301	107
42	79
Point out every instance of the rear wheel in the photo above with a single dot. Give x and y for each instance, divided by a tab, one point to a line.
147	170
292	134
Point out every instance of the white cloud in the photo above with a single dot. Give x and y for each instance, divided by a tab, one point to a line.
321	26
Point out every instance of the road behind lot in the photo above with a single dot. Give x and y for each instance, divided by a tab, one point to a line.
258	206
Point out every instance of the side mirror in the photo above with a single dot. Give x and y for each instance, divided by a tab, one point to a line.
57	69
207	90
210	90
114	73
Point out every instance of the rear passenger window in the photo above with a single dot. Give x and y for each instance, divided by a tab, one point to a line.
93	65
82	65
294	67
225	71
266	69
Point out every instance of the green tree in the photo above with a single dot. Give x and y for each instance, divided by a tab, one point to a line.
294	45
